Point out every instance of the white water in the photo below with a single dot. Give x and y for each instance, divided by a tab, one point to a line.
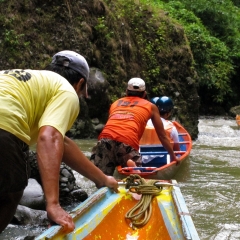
210	180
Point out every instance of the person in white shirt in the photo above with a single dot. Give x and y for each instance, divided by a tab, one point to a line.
165	107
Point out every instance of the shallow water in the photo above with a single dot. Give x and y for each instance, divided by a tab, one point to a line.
209	180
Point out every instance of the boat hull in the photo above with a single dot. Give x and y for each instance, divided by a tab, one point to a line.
238	120
102	216
160	167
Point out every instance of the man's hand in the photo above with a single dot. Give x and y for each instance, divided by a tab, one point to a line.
56	214
177	161
110	182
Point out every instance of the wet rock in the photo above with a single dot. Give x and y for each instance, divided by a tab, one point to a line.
82	127
34	166
98	93
79	194
95	121
67	181
29	238
66	173
235	111
70	186
99	127
25	215
33	196
73	197
63	179
65	190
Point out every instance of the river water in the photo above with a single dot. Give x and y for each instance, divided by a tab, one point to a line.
209	180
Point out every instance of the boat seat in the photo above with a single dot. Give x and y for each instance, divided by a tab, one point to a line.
157	161
157	153
182	134
183	146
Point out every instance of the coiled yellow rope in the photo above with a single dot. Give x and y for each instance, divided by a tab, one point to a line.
142	211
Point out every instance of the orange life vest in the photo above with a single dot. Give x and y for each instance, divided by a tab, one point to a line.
150	136
238	120
128	117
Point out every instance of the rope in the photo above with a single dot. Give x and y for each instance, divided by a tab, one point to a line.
140	214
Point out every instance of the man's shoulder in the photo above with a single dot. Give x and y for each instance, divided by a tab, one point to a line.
133	98
45	73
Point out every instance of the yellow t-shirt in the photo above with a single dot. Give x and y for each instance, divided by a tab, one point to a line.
30	99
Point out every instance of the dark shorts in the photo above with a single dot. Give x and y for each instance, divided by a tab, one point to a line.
108	154
14	168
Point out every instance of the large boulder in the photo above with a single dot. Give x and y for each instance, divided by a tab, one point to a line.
31	208
25	216
69	191
98	101
33	196
235	111
94	107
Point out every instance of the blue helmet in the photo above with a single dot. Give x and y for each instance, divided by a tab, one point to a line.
154	100
164	104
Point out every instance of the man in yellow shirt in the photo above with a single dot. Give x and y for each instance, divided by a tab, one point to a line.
40	106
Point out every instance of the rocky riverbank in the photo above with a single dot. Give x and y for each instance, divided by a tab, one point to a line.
31	209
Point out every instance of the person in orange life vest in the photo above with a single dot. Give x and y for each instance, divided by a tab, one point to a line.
119	140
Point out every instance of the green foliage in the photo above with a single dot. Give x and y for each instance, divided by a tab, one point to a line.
12	39
212	55
212	62
150	37
153	38
221	18
102	28
122	38
236	3
114	98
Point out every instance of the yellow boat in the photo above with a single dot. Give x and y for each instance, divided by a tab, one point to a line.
106	215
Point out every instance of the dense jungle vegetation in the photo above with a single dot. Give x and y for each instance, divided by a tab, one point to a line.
188	50
213	31
212	28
